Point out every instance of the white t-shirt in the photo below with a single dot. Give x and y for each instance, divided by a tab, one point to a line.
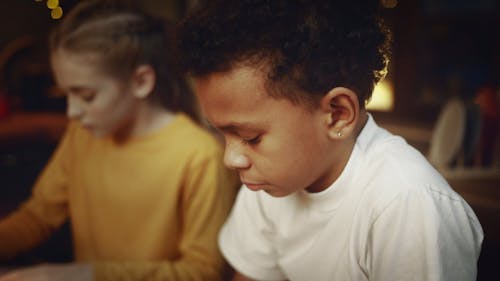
389	216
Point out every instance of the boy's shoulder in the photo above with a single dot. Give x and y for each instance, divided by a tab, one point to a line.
395	171
389	160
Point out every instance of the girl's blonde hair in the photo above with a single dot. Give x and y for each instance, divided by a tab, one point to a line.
123	37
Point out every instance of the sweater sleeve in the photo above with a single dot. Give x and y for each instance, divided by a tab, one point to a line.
207	197
46	209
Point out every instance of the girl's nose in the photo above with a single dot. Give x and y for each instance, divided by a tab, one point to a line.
74	109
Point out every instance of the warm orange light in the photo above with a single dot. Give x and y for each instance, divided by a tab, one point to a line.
52	4
56	13
389	3
382	97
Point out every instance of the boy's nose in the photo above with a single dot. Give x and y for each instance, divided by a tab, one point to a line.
74	110
234	158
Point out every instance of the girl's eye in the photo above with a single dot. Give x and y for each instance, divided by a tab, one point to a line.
88	97
252	141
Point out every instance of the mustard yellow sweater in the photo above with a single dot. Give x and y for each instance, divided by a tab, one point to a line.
147	209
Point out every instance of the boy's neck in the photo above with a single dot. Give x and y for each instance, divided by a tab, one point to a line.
363	118
340	156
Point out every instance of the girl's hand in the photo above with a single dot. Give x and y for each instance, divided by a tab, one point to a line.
52	272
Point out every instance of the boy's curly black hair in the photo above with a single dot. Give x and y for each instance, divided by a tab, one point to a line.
307	47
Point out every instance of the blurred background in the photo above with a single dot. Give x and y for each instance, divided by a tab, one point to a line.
442	94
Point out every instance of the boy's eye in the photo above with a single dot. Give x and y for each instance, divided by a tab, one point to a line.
251	141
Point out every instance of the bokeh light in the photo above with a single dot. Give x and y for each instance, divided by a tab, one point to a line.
389	3
52	4
382	97
56	13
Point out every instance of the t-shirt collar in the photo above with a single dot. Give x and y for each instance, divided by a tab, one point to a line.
330	198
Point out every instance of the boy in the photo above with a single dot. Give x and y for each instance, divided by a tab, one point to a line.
329	195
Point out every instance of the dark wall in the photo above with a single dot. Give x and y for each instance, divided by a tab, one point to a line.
441	49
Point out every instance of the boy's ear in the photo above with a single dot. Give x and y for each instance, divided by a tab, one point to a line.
341	108
143	81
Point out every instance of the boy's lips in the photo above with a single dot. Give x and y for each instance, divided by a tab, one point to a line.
253	186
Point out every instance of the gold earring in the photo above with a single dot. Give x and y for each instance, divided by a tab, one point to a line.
339	133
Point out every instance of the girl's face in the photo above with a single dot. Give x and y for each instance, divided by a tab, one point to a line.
101	103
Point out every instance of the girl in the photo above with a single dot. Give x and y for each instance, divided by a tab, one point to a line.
143	185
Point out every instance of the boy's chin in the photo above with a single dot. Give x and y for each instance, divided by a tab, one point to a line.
277	193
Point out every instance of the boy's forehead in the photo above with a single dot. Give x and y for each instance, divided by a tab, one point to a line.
258	74
232	85
233	100
243	87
